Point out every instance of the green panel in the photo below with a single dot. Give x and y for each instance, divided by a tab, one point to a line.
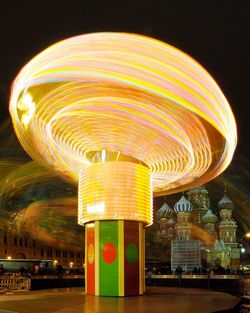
109	272
132	253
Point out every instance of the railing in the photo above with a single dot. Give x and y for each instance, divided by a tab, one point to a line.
247	286
245	305
196	276
229	283
9	283
66	276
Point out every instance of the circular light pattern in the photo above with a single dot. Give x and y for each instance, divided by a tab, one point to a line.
109	252
111	96
115	190
132	253
91	253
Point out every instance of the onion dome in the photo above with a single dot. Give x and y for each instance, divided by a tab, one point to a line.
164	212
222	244
183	205
225	203
209	217
171	221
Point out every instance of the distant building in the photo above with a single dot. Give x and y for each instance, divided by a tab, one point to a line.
185	251
194	235
24	247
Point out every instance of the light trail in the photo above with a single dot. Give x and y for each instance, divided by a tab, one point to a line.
123	94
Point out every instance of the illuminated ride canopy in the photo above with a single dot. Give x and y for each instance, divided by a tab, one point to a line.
124	116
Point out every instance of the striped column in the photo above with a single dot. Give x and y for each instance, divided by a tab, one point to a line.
114	253
115	203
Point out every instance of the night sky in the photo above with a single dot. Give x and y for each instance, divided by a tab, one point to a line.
215	33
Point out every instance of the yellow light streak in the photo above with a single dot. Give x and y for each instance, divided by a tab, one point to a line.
115	190
123	94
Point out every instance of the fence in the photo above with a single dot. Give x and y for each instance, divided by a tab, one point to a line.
224	283
14	282
247	286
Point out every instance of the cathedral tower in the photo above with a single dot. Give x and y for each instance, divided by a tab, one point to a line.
182	227
227	229
200	201
209	221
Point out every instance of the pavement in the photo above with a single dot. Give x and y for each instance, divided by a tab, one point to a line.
155	300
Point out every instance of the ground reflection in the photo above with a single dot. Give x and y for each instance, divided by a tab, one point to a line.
156	299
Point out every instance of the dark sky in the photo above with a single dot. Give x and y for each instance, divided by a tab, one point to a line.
216	33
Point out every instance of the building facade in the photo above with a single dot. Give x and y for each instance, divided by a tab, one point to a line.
195	235
14	246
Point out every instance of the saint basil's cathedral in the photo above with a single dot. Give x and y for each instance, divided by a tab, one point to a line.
191	235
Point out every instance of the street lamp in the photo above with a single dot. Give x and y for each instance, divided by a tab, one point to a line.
248	235
242	250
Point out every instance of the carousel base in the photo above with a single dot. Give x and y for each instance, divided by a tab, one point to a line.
114	258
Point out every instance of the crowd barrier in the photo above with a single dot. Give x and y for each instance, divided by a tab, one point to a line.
225	283
14	283
189	276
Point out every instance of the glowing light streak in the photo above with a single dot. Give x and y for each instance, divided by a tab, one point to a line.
95	208
115	190
27	106
126	94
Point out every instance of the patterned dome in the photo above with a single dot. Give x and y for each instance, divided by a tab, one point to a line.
209	217
225	203
171	221
164	212
183	205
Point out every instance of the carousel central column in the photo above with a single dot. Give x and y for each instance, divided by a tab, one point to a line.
115	204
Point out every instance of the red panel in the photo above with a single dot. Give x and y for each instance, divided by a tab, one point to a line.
90	288
131	258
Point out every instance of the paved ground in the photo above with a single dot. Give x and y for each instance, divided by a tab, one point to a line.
156	299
